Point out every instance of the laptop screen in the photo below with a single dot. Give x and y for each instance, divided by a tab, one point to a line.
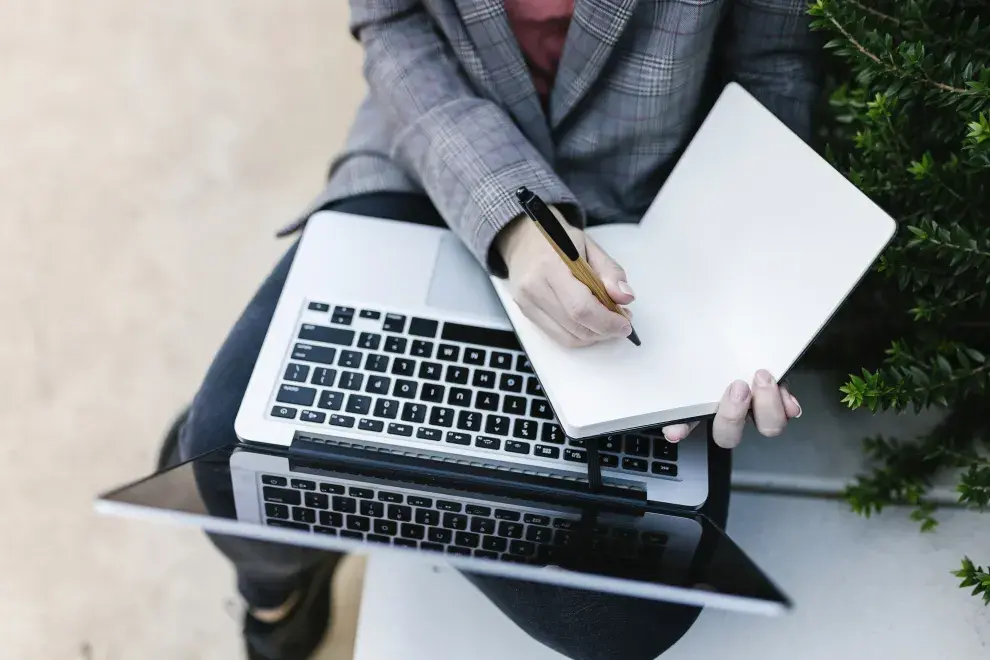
270	495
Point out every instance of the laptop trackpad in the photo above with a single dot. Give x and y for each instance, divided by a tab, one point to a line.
460	284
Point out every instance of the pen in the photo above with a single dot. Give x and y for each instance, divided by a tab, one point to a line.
554	232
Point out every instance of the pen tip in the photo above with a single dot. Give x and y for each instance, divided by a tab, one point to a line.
634	338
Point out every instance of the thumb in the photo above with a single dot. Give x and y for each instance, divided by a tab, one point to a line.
612	274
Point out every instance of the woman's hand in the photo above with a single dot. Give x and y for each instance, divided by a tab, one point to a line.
551	297
771	403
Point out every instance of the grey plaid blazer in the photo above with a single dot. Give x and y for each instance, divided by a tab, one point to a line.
452	112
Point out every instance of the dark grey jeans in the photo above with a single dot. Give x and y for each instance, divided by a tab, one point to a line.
582	625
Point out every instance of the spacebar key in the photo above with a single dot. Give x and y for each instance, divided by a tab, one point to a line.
321	333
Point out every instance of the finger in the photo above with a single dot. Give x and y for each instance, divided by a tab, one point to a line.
612	274
549	302
582	308
768	409
791	405
730	420
553	329
677	432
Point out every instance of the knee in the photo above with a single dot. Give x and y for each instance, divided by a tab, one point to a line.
210	423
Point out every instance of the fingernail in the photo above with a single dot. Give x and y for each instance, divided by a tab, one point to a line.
626	289
739	391
763	377
670	438
795	402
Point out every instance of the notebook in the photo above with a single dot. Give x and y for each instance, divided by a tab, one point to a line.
747	251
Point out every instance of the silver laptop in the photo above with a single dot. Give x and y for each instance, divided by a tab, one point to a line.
389	336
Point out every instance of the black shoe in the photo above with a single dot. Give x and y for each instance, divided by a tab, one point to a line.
168	455
302	630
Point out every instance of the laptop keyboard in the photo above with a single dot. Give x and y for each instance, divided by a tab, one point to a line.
438	382
446	524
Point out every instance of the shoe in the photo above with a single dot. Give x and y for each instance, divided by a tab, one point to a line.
168	455
302	630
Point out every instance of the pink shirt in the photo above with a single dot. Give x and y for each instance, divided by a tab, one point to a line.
540	27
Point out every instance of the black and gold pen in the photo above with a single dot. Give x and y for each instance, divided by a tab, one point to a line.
555	233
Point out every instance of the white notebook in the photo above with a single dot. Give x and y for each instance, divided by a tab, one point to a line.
748	250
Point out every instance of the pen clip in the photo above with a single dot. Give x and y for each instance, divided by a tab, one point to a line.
541	214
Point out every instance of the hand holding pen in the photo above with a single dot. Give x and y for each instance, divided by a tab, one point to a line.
550	292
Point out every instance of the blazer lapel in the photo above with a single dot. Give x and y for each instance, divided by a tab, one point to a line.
595	29
497	62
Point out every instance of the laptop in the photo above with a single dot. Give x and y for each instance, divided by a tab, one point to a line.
516	529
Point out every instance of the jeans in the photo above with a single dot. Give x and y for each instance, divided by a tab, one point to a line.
582	625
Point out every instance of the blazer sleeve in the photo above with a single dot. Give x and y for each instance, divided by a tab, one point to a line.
464	150
773	53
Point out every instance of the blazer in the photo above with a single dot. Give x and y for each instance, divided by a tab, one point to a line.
451	110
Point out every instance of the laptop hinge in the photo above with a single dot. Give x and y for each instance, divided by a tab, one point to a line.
379	462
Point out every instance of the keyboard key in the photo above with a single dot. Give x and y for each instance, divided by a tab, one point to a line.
486	401
510	530
405	388
296	373
340	319
457	375
432	392
400	429
333	489
469	420
456	521
608	460
364	493
517	447
637	464
414	412
523	365
665	450
378	384
349	359
370	314
469	334
351	534
302	515
317	501
323	334
500	360
359	404
664	469
426	433
637	445
478	510
285	412
611	442
331	400
343	311
448	352
422	349
442	417
399	513
386	496
522	548
345	421
575	455
430	370
270	480
546	451
466	539
386	408
483	525
485	554
534	519
413	531
373	509
577	442
483	378
329	531
497	425
324	376
485	442
510	383
403	367
319	354
351	380
459	396
388	527
457	550
370	341
288	525
302	484
538	534
318	307
533	387
507	514
447	505
455	438
394	344
427	517
394	323
331	519
432	547
514	405
377	538
494	544
438	535
474	356
344	504
281	495
423	327
294	394
279	511
376	362
540	408
563	538
358	523
418	500
565	523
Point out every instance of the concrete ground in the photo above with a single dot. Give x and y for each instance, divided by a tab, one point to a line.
148	151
